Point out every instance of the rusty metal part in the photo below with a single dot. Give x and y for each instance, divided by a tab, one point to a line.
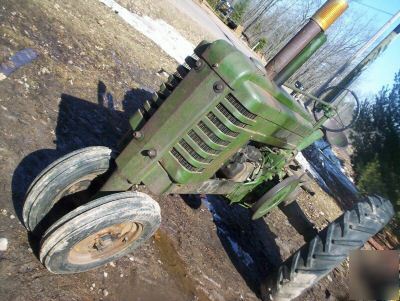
375	244
105	243
321	20
292	48
137	135
329	12
300	59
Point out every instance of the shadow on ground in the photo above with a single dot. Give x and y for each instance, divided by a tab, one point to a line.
80	124
249	244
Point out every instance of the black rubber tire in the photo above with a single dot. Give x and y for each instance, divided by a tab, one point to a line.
53	182
90	218
328	249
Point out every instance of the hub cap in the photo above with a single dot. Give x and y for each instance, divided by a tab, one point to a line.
105	243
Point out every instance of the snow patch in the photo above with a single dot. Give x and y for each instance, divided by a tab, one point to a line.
159	31
243	255
3	244
307	166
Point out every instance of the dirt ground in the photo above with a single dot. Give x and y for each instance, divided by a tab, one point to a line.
92	73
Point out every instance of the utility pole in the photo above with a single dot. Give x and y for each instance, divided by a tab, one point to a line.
371	57
359	52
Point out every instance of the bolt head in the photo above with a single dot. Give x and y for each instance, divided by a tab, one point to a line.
137	134
218	86
198	65
152	153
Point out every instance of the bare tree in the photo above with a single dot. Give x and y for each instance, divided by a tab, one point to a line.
282	19
258	11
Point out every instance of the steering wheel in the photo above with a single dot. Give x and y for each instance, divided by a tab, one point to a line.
345	99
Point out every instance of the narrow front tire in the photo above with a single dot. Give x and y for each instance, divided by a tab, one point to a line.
99	232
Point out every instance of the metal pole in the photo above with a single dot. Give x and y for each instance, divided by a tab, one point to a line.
320	21
300	59
371	57
359	52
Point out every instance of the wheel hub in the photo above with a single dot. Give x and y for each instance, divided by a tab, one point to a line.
105	242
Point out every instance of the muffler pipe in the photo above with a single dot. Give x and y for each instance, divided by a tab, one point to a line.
319	22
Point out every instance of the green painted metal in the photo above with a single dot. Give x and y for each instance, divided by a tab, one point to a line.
274	196
199	119
300	59
316	135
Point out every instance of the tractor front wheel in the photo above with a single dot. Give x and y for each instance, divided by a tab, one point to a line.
99	232
67	178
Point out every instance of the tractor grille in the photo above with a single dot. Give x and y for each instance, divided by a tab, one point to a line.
229	115
192	152
242	110
184	162
202	143
222	127
196	138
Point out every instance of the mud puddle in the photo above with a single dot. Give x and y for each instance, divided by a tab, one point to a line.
176	268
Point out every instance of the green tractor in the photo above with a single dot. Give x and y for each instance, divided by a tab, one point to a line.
220	125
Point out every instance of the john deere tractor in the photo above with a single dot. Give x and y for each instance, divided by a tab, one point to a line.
221	125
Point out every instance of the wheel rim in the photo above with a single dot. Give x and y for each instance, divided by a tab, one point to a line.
273	197
272	202
105	243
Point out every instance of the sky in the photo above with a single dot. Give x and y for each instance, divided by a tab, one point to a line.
381	72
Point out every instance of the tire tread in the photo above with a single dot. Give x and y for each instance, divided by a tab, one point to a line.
328	249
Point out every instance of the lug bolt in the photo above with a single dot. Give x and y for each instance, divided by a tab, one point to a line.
152	153
218	86
137	135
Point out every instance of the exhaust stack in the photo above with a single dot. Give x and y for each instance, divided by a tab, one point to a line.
319	22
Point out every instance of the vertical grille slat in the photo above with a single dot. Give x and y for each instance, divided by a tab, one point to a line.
197	139
222	127
231	118
192	152
206	130
236	103
184	162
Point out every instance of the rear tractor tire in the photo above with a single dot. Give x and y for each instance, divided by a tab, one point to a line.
328	249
